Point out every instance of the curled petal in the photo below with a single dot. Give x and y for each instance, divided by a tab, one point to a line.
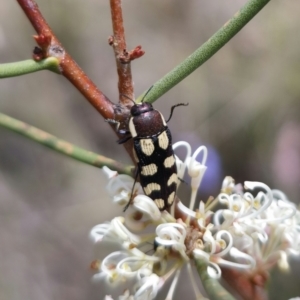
208	238
235	203
172	231
142	256
200	254
197	169
228	185
120	187
281	211
129	266
135	224
256	231
218	217
147	287
147	206
144	272
109	263
196	153
99	231
109	173
224	199
119	182
213	270
186	210
172	235
122	232
265	199
279	195
229	241
238	255
181	166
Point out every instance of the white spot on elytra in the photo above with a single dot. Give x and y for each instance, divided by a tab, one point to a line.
149	170
173	179
171	198
132	128
160	203
163	140
169	161
151	187
147	146
163	119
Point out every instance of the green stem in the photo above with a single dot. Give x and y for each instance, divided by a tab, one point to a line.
29	66
62	146
206	51
212	286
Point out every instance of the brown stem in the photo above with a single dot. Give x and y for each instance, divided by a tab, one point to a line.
50	46
248	286
123	58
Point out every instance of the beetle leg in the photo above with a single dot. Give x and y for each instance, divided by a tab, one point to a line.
173	107
131	196
123	131
120	131
181	180
125	138
112	121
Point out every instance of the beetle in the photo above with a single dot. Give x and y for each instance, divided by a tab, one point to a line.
153	153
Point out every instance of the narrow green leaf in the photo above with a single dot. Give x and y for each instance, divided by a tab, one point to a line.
62	146
206	51
29	66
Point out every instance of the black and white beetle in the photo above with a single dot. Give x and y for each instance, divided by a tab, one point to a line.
153	153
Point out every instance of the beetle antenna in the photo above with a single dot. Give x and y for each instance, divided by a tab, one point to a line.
173	107
147	93
127	97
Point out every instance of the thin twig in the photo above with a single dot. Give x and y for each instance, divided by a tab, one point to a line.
123	57
119	45
52	47
248	286
62	146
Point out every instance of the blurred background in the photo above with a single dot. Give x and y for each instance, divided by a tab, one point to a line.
243	105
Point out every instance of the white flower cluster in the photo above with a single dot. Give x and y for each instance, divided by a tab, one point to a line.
251	232
265	226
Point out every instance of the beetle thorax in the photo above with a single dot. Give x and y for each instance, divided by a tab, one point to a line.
147	124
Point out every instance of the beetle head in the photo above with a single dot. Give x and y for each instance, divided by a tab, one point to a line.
140	108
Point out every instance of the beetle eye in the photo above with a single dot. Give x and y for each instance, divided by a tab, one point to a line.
135	110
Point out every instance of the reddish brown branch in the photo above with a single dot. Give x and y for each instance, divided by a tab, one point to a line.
248	286
123	57
50	46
